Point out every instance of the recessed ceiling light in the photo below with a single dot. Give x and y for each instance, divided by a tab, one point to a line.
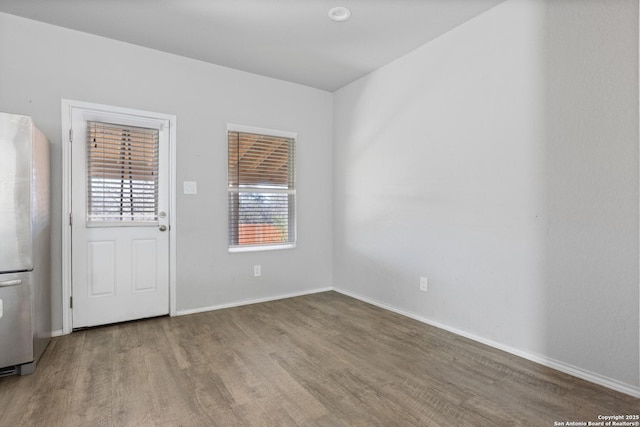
339	14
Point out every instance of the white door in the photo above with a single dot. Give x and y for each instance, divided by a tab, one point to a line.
120	217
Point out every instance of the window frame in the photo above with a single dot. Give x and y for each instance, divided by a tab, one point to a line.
293	210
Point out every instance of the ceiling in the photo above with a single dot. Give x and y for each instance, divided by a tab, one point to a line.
292	40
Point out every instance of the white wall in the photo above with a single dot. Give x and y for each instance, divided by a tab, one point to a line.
501	161
40	64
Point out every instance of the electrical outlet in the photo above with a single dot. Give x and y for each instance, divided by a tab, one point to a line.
424	284
257	271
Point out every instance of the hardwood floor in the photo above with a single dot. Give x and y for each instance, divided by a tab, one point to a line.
317	360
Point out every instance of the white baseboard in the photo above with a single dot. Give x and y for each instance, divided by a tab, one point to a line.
542	360
57	333
250	301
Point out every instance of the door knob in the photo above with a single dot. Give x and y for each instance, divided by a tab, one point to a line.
163	228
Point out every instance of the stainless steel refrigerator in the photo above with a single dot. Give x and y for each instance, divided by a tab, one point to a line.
25	282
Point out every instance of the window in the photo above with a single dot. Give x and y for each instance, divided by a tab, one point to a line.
122	173
261	186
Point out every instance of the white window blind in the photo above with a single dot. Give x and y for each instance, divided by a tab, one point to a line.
122	173
262	190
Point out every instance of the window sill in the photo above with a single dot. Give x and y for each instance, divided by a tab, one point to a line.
256	248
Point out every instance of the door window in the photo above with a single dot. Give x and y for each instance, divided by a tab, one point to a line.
122	174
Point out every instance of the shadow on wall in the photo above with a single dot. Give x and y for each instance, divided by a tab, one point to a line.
591	146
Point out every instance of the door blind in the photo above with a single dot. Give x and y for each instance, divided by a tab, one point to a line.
261	190
122	173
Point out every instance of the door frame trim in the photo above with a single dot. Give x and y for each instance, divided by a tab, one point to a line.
66	108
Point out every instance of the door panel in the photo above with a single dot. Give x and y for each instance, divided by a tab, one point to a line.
101	269
120	199
145	265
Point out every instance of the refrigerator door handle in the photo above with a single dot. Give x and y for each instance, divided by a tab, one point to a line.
10	283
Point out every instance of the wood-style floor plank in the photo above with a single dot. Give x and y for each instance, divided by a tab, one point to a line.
318	360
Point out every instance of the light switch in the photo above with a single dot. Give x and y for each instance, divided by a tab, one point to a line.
190	187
